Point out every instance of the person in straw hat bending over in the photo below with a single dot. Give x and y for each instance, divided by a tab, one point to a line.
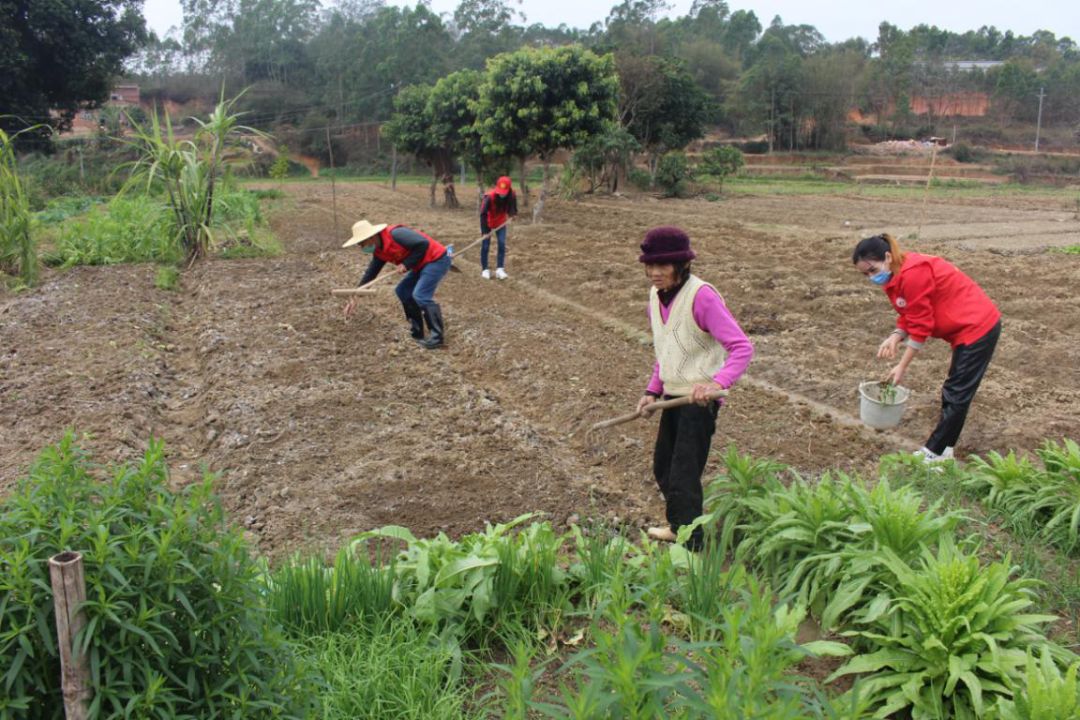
700	350
423	261
496	209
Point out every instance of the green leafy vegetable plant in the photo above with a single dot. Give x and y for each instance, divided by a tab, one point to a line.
176	625
1047	695
952	640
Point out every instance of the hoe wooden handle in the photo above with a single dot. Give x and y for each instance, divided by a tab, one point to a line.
352	291
658	405
481	239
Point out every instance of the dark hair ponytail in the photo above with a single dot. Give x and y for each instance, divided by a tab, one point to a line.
874	248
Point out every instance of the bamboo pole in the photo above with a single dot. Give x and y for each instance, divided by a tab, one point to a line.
69	593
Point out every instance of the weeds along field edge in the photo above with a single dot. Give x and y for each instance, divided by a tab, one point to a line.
589	623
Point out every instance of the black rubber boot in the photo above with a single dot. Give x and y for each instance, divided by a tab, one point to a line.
415	317
433	315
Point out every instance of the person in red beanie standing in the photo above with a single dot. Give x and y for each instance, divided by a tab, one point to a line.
933	298
496	209
700	349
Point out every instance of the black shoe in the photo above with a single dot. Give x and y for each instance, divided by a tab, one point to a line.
416	320
433	315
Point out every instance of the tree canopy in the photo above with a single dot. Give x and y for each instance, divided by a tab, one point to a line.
62	55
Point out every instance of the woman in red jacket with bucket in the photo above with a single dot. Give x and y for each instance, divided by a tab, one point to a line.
934	299
496	209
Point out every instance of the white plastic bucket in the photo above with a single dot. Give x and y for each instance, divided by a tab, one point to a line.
878	414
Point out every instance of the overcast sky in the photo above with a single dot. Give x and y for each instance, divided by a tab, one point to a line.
836	19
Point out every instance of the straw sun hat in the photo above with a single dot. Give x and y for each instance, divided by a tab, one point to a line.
361	231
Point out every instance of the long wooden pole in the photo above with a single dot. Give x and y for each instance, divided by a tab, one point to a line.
333	177
481	239
69	593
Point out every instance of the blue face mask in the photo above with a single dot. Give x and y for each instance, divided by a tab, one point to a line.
367	249
881	278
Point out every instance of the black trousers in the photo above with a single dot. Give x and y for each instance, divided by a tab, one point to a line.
682	448
969	363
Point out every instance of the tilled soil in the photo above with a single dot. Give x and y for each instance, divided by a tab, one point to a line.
322	427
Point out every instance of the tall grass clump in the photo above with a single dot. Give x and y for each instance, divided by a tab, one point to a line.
127	229
310	598
18	253
390	669
188	170
176	625
1042	502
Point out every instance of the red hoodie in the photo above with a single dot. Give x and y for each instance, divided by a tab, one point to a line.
935	299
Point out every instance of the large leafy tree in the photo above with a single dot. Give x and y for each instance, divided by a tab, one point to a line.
536	101
485	29
412	129
62	54
363	53
769	92
451	108
660	104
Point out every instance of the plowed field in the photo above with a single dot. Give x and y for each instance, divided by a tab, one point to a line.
322	427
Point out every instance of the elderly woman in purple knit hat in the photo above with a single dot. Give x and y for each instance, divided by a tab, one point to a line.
700	350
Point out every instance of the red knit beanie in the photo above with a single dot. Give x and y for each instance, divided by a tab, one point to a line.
666	244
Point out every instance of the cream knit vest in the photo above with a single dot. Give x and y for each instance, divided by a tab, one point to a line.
687	354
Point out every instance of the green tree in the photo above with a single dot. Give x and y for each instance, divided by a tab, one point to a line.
536	101
1016	84
672	173
660	105
721	162
634	26
452	108
485	29
768	93
606	157
742	31
61	55
412	129
829	91
362	60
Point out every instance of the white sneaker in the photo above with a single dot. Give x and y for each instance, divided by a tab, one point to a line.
928	456
501	274
486	274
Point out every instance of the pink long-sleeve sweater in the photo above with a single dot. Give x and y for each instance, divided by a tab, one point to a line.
712	316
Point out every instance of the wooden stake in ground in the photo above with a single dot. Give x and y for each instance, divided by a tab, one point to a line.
69	593
926	191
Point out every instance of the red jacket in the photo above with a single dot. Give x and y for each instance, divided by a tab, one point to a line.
393	252
935	299
495	218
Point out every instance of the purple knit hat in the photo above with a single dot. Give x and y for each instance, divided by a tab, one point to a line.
666	244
